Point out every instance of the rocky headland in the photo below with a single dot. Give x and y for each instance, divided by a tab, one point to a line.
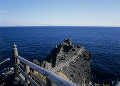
71	60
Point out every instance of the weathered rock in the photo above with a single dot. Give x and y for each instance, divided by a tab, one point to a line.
72	60
35	61
46	65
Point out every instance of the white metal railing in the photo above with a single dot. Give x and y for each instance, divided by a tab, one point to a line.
24	70
5	61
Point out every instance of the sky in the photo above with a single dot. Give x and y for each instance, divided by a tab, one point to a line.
59	12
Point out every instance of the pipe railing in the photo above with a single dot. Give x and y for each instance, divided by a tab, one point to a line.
28	77
8	59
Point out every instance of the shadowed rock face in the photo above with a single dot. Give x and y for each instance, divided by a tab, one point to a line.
72	60
78	71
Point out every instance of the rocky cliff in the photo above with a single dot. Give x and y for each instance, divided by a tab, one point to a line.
72	60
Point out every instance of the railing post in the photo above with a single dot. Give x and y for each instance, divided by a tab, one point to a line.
27	71
15	53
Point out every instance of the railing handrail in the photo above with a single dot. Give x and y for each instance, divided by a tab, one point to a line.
59	81
5	61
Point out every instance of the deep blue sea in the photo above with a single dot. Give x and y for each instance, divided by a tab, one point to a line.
37	43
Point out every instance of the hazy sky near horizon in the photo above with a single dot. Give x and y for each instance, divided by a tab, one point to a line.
60	12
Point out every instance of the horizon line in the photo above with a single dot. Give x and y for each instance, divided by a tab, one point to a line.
55	25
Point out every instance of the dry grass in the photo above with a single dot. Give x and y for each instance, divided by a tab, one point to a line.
62	75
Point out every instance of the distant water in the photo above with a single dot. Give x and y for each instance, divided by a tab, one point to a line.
37	42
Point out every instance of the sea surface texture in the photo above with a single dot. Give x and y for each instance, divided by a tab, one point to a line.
37	43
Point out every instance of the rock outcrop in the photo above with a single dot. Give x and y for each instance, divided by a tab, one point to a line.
72	60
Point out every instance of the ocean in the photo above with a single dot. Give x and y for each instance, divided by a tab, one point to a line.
36	42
